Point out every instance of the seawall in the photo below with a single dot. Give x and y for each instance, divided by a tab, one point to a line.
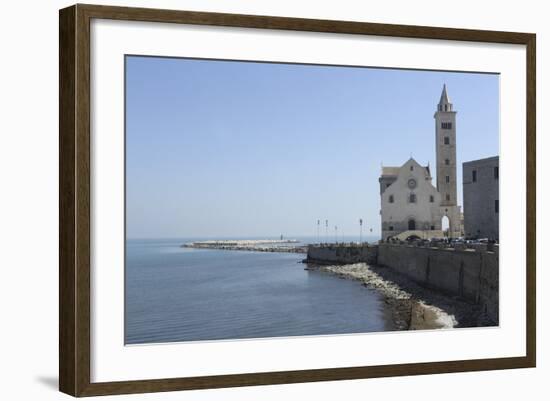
338	254
468	273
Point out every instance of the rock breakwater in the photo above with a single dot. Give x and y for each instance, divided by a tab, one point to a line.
250	245
413	307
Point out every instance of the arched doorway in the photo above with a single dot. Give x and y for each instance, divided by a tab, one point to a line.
412	224
445	226
413	238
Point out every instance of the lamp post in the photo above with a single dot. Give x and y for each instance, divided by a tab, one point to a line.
360	231
326	231
336	234
318	224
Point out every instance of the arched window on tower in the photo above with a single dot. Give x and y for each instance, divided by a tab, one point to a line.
412	198
390	199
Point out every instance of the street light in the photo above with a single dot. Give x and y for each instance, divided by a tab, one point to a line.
318	224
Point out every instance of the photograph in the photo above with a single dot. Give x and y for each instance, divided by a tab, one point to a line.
268	200
271	199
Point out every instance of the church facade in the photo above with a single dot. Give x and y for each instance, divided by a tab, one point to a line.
410	203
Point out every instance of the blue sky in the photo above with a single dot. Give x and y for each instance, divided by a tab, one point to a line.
242	149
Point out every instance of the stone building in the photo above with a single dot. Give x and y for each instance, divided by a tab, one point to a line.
480	183
410	202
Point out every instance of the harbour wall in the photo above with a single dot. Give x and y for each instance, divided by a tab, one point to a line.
469	273
337	254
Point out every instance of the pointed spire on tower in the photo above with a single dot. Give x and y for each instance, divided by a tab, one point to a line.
444	102
444	95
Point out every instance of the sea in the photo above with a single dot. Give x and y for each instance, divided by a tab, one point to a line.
175	294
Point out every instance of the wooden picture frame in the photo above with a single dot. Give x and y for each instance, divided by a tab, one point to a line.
74	203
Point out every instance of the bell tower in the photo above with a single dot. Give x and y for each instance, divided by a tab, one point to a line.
445	149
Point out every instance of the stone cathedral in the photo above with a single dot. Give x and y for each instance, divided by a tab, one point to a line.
411	205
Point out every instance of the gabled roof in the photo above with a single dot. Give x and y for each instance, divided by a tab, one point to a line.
393	171
390	170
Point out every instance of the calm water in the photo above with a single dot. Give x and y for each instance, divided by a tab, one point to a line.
182	294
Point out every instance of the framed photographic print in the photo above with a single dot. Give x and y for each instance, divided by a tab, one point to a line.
250	200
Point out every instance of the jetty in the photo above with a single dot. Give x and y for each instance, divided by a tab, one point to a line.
261	245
